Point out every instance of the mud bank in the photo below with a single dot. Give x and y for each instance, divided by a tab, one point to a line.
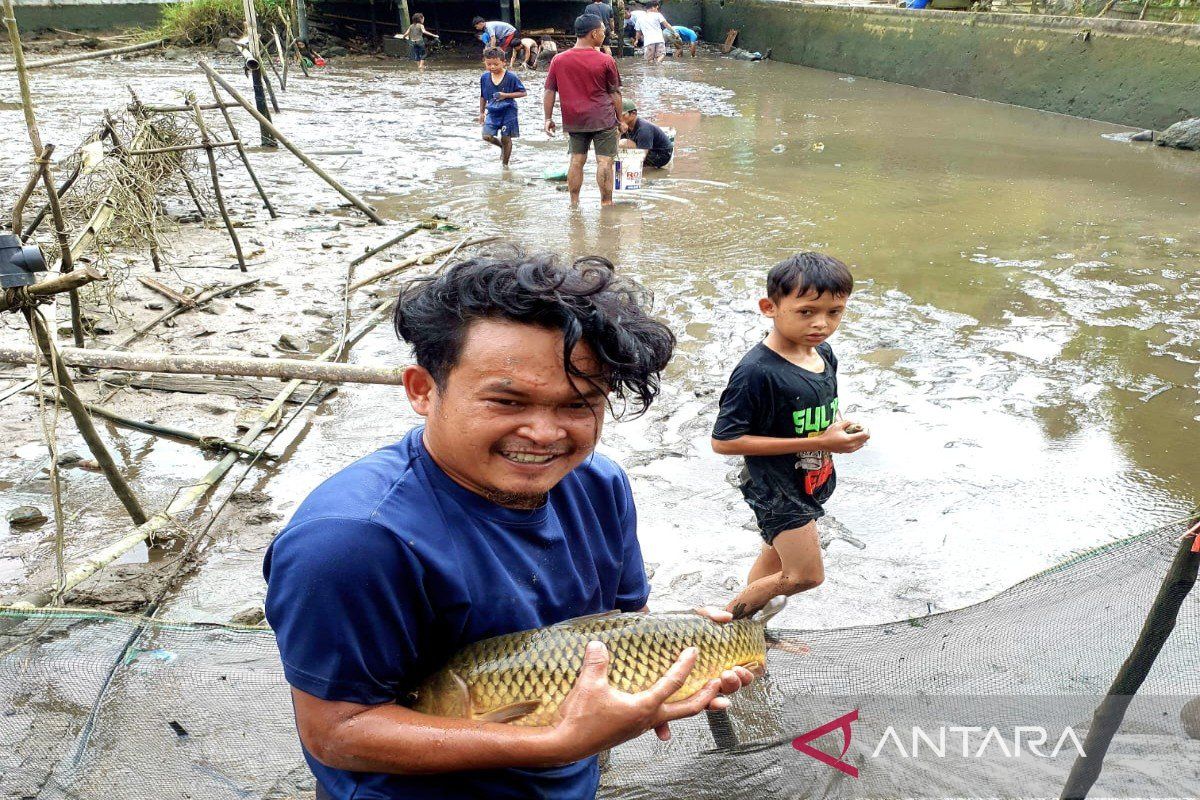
1142	74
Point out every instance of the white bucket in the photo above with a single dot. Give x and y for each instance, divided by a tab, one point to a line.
627	170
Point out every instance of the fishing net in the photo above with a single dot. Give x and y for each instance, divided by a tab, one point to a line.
107	706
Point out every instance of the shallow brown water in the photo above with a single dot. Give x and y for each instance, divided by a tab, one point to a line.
1022	343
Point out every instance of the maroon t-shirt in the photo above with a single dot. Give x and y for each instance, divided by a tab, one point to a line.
583	77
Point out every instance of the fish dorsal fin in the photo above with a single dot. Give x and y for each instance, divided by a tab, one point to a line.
511	712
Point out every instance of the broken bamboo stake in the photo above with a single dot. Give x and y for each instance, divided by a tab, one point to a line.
166	291
18	210
400	266
185	500
283	59
184	109
59	283
376	250
70	398
296	151
115	51
241	149
211	443
216	182
282	368
14	38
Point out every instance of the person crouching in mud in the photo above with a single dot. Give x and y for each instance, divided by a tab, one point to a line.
780	411
495	516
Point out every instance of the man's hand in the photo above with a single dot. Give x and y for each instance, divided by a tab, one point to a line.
731	679
549	126
479	119
595	716
836	439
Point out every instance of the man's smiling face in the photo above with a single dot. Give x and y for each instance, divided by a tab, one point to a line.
508	423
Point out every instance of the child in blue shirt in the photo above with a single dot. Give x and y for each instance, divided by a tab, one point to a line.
498	93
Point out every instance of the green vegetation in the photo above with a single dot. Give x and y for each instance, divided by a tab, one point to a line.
205	21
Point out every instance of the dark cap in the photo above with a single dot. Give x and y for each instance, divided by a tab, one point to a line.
628	105
586	23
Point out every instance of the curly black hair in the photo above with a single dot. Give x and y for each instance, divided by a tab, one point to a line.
587	301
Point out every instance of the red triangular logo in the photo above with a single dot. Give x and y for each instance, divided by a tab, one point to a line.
841	723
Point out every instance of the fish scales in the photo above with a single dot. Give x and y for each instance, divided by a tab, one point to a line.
523	677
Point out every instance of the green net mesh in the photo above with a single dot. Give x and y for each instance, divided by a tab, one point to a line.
99	706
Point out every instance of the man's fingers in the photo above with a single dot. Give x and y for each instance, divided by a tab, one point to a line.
663	731
746	676
676	676
718	703
714	613
690	706
595	662
730	682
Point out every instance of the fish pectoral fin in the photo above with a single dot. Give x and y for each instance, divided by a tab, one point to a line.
511	712
758	668
461	704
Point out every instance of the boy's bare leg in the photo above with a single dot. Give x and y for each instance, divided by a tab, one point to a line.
493	140
575	176
801	569
604	178
505	150
767	563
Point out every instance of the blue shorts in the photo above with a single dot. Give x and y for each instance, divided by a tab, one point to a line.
418	52
492	125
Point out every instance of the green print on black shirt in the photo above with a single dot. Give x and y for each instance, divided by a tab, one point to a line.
815	420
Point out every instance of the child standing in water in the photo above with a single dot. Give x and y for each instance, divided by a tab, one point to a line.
498	93
780	411
416	34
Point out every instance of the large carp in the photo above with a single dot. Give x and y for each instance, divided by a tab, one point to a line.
523	677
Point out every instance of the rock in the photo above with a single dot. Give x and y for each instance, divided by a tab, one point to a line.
88	464
683	582
731	584
173	53
253	497
291	344
1190	717
25	515
155	306
227	45
1144	136
253	615
1184	135
336	50
778	148
68	458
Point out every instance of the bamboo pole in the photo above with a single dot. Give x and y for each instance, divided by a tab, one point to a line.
116	51
201	298
405	20
59	283
167	292
66	260
192	364
62	190
18	210
83	422
216	182
241	149
187	109
1160	622
187	499
516	10
211	443
283	59
296	151
14	38
400	266
374	251
179	148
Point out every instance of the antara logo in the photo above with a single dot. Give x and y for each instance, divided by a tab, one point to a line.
842	723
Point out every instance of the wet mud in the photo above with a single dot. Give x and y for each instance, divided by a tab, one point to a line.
1022	342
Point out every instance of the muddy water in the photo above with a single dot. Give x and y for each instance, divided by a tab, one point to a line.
1022	342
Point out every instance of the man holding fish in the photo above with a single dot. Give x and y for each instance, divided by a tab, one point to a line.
494	517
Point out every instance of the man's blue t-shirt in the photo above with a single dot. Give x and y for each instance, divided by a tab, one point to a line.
499	111
496	32
390	567
686	34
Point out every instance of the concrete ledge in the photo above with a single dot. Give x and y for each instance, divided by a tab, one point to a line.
1142	74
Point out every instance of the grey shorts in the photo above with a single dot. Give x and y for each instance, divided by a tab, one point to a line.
603	142
653	51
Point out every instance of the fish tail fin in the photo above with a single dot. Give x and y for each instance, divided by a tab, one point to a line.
773	607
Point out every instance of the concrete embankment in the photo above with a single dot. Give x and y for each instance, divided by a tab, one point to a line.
1143	74
79	15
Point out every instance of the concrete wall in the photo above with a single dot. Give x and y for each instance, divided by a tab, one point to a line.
1142	74
79	15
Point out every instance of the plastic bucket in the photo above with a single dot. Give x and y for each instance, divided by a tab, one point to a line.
627	170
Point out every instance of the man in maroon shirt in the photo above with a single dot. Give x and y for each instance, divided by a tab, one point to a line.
590	87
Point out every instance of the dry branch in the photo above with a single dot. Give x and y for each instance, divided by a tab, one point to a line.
400	266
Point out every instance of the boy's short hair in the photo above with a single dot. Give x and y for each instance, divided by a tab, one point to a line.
493	52
418	17
478	20
809	271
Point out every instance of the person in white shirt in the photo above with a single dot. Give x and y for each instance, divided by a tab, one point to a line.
651	25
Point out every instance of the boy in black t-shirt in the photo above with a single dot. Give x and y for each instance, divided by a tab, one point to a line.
780	411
